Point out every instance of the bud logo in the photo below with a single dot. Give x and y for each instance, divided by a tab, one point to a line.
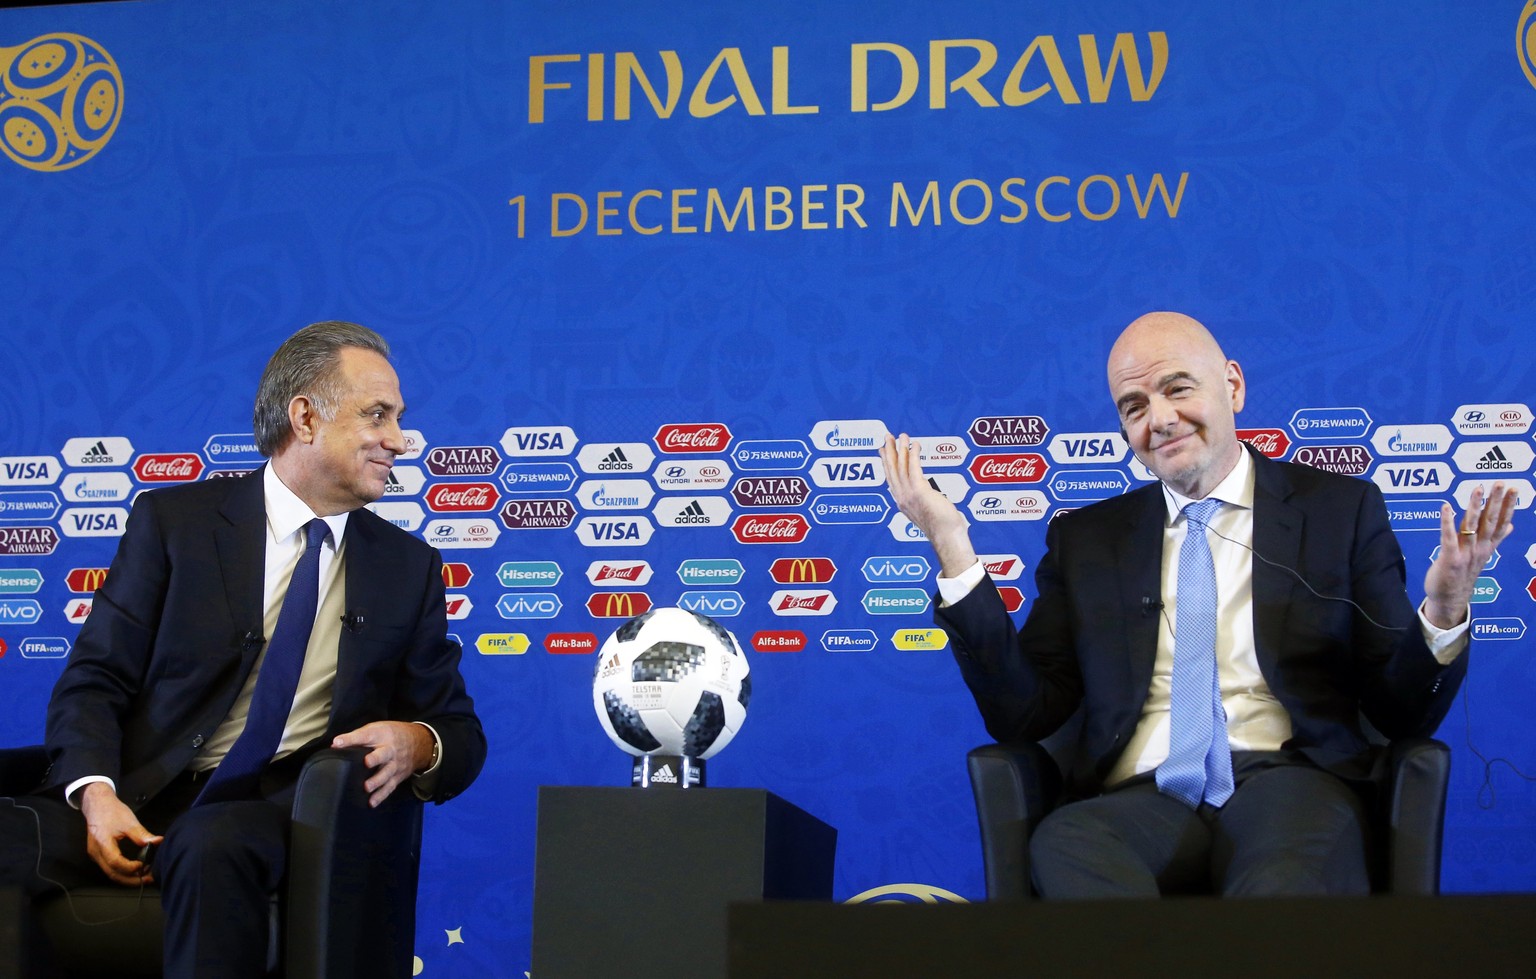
28	470
462	533
618	604
778	640
19	611
1003	567
78	610
1493	457
615	457
1346	460
529	605
462	497
109	451
97	487
232	450
1088	484
529	574
815	602
537	477
1015	505
832	473
167	467
895	601
710	437
615	494
849	640
940	452
20	581
570	643
1412	477
1330	423
995	430
711	571
770	528
614	532
919	639
104	521
44	647
755	454
405	514
770	491
862	433
542	440
28	540
1025	467
1501	419
28	505
538	514
1013	599
83	581
1502	627
617	574
692	511
715	604
1412	440
1271	442
802	570
463	460
880	570
693	474
502	644
1087	447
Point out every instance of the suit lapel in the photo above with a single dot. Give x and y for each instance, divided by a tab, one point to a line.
1141	535
241	543
1277	532
362	561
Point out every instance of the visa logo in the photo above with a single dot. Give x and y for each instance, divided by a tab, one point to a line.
104	522
621	530
539	441
850	471
1089	448
28	471
1414	477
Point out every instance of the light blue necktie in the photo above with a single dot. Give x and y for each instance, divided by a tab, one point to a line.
1199	765
239	774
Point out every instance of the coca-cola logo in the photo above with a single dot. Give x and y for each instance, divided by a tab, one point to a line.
462	497
1271	442
168	467
1024	467
706	437
770	528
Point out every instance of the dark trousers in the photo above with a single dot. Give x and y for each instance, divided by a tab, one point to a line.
216	870
1289	829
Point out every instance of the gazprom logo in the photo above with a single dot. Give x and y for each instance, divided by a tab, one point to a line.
883	570
710	571
1503	627
532	605
715	604
1330	423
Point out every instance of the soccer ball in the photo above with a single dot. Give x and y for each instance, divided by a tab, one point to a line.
671	682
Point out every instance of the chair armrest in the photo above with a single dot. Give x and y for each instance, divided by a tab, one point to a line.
1014	786
1418	774
22	770
352	872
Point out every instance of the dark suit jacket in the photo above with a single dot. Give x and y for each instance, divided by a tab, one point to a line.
1090	639
168	642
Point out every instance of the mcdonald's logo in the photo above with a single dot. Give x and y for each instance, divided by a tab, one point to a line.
619	604
83	581
802	570
456	574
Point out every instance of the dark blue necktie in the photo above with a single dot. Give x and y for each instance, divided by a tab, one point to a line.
239	774
1199	765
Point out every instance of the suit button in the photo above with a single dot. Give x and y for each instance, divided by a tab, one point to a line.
197	742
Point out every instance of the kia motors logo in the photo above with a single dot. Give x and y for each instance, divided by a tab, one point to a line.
706	437
456	574
618	604
462	497
1271	442
538	514
83	581
770	491
1023	467
463	460
802	570
997	430
570	643
778	640
168	467
770	528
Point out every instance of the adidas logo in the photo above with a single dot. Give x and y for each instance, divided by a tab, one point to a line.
1494	459
615	461
664	774
610	667
692	513
97	454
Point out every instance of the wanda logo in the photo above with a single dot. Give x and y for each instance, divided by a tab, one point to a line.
168	467
771	528
462	497
708	437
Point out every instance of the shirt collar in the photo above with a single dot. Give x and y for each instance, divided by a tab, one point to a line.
1235	490
287	514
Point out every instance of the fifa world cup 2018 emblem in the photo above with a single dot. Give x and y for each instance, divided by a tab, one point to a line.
61	97
1525	41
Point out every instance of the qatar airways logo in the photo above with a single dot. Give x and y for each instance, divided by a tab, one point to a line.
168	467
700	438
463	460
995	430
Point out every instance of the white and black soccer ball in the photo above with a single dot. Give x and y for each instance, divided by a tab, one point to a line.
671	682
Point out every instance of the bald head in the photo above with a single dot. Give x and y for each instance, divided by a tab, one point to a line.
1177	395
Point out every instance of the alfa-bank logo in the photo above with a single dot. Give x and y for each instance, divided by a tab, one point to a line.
706	437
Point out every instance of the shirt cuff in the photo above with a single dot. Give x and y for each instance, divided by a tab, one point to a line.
424	783
952	590
1445	644
71	790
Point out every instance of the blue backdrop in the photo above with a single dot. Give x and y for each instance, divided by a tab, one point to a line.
725	246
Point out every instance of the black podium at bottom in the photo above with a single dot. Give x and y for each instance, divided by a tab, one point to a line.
635	882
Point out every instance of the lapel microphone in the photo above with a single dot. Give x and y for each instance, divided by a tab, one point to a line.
353	622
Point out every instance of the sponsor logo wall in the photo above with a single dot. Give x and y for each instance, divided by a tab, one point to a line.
654	318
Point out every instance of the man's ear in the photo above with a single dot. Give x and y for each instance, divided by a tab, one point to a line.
301	419
1236	385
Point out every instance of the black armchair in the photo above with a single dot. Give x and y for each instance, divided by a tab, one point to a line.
1017	785
346	909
